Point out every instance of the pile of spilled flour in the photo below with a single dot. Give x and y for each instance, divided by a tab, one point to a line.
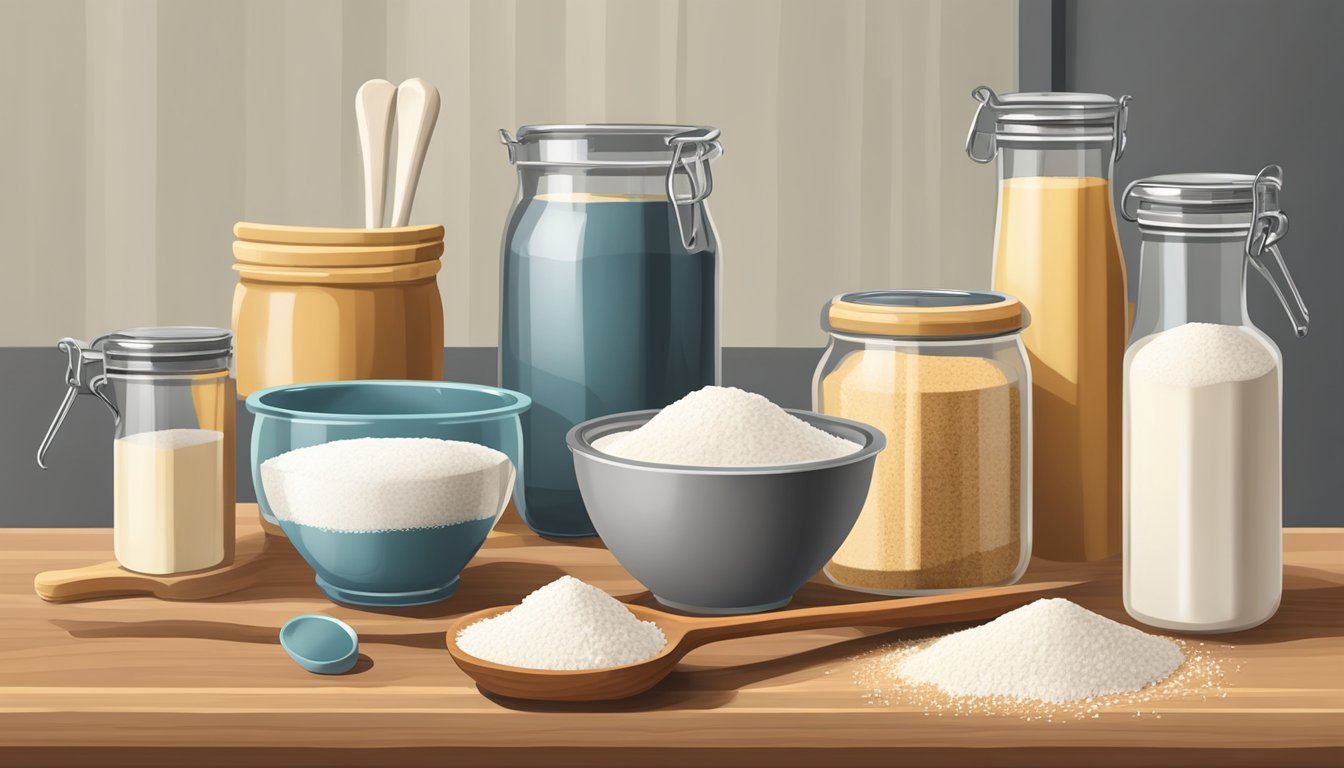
565	625
386	483
725	427
1049	659
1051	650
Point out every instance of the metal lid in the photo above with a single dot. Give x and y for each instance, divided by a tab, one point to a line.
680	151
1033	118
1222	205
1199	203
611	144
166	349
1081	108
924	314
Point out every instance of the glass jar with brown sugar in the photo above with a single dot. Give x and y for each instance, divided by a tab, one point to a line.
945	376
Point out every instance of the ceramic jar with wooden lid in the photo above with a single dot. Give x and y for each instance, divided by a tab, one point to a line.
330	304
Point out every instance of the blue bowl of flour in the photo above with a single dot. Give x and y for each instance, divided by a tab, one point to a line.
393	555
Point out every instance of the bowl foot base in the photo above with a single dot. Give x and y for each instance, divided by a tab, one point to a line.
722	611
354	597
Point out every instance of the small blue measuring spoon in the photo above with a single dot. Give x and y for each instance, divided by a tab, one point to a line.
320	644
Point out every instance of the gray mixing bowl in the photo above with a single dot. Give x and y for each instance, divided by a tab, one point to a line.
723	539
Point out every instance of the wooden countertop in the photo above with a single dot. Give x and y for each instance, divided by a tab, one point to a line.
137	681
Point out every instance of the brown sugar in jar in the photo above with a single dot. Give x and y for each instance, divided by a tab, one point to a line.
946	381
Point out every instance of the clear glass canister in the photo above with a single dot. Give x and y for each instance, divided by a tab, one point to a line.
1203	402
944	375
610	289
173	399
1058	252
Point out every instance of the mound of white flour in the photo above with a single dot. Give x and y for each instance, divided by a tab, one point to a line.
725	427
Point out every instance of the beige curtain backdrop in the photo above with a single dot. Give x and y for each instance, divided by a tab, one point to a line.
134	134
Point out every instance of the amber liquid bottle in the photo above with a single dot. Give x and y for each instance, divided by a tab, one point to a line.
1058	252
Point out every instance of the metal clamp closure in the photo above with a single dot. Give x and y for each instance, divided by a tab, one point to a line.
1121	128
1268	226
78	354
507	140
690	152
983	125
1124	202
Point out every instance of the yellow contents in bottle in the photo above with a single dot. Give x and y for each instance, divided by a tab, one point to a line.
1058	252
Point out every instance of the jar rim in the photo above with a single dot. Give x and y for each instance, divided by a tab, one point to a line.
612	145
925	313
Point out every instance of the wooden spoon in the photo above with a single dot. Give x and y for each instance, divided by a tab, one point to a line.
686	633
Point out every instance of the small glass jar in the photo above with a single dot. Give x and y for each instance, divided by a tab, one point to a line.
945	376
173	399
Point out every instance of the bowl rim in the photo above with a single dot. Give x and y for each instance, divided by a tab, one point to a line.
580	437
518	402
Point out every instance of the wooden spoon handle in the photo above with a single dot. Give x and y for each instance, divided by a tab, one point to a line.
906	611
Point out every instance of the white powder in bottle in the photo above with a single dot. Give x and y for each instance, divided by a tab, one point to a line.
725	427
1051	650
1203	505
386	483
566	624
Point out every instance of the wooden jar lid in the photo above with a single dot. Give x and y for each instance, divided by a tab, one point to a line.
925	314
286	235
270	245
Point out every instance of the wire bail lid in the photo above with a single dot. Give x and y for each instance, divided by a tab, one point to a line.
1223	204
683	151
1045	117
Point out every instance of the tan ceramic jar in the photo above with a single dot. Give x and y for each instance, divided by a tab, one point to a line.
330	304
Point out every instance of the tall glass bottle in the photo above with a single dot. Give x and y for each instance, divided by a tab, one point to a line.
1058	251
1203	404
610	289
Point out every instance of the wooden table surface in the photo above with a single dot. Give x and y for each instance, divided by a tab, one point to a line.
137	681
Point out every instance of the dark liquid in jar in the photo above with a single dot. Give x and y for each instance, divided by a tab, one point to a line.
604	311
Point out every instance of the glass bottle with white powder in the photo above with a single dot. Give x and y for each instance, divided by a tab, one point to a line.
1203	547
173	399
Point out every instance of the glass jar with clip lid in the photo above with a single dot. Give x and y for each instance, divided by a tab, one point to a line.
1058	252
172	399
1203	403
610	289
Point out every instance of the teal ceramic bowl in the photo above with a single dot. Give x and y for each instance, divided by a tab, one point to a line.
386	568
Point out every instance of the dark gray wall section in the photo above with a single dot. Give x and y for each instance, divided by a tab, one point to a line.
77	490
1038	58
1233	86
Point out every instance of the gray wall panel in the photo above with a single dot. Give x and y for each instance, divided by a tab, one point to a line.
1232	86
